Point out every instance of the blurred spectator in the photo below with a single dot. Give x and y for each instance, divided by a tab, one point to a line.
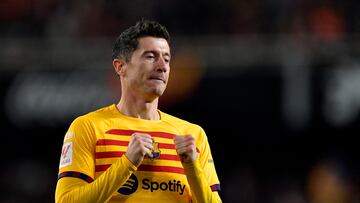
58	25
244	17
328	182
240	186
326	22
26	18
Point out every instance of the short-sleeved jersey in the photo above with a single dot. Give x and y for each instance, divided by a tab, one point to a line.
96	140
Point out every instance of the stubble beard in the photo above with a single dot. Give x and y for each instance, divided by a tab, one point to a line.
154	93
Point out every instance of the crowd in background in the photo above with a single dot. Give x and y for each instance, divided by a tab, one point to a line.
330	19
283	169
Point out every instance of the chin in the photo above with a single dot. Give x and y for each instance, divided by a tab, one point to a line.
159	90
156	92
159	93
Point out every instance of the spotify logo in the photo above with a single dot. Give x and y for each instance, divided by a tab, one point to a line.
130	186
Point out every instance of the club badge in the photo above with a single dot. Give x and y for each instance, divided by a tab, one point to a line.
156	151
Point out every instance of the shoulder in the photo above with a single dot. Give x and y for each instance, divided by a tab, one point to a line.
84	127
179	123
94	116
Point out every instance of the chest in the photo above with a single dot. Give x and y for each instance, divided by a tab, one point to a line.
113	143
162	174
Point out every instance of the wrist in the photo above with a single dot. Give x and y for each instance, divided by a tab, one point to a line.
131	162
190	165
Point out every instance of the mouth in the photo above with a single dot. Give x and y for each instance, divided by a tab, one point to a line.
158	78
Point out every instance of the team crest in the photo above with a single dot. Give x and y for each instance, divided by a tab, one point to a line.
156	151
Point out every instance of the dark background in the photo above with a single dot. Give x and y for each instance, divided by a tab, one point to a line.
275	84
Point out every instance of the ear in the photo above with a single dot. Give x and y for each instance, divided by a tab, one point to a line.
119	66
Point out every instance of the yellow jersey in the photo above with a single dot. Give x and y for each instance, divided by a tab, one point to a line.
95	141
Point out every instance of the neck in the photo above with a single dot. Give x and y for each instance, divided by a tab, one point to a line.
139	108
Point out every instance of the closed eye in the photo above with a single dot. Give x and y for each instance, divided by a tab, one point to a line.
150	56
167	60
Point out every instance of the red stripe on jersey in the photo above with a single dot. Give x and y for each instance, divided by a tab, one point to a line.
120	132
169	169
113	154
112	142
130	132
99	168
126	143
171	146
169	157
100	155
166	146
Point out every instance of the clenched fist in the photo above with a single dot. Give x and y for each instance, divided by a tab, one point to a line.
140	145
186	148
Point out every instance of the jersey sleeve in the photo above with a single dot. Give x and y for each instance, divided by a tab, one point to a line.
71	189
206	161
201	175
77	168
77	154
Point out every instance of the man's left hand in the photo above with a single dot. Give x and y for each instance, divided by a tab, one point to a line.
186	148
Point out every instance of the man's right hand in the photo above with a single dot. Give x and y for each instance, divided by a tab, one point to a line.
140	145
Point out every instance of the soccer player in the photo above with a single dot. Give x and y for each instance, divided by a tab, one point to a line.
131	151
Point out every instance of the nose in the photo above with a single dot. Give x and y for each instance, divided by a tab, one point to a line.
162	65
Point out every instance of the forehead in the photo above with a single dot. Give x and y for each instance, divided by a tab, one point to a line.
153	44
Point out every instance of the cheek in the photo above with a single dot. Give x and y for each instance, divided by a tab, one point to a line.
138	74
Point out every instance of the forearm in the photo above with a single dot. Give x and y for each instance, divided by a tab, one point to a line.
200	189
100	190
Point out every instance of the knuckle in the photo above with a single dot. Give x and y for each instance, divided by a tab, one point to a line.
135	136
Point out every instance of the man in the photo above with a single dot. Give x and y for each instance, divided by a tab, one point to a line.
131	151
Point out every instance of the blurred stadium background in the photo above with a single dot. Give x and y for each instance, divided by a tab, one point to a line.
275	84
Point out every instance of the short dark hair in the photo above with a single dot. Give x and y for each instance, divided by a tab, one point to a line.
128	41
